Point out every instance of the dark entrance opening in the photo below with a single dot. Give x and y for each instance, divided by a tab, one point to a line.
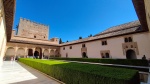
66	55
130	54
84	55
107	55
30	52
36	54
39	50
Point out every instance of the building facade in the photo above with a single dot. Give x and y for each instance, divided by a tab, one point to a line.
31	40
126	41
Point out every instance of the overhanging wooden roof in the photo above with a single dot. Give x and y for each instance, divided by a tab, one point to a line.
9	9
141	13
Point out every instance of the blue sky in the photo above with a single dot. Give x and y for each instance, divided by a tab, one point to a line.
69	19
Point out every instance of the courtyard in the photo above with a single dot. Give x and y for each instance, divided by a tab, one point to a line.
12	72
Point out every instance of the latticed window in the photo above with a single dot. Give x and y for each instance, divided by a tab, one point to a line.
128	39
83	45
70	47
104	42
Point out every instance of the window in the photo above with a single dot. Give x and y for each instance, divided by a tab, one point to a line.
83	46
130	39
127	39
70	47
104	42
44	36
34	36
105	54
63	48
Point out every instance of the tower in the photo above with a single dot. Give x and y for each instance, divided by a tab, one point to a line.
30	29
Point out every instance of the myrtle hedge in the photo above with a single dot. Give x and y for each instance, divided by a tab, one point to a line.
76	73
134	62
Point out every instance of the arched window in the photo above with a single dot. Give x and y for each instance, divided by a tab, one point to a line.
104	42
70	47
126	39
83	45
130	39
107	55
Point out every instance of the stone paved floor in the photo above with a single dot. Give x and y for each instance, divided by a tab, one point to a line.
17	73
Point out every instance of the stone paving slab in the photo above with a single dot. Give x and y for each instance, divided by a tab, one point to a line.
12	72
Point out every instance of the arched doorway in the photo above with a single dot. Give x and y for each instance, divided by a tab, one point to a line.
46	54
66	55
84	55
130	54
39	50
107	55
20	53
10	53
36	54
56	53
52	53
30	52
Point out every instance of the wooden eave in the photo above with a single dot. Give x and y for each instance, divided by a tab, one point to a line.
141	13
9	10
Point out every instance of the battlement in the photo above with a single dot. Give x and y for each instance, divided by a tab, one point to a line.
31	29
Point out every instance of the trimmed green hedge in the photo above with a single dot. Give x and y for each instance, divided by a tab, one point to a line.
76	73
135	62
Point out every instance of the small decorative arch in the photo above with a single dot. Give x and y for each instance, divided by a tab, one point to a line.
20	52
40	52
107	55
10	53
52	53
30	52
46	53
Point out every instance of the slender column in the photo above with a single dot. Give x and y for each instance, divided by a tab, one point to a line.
33	50
49	50
16	49
54	52
42	52
26	50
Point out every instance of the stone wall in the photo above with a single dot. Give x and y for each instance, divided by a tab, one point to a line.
29	29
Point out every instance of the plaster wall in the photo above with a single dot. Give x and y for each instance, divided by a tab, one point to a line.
3	37
143	43
147	8
114	46
75	52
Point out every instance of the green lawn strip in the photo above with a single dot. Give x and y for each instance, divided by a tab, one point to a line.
76	73
134	62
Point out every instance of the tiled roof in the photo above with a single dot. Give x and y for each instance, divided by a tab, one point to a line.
121	27
126	28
